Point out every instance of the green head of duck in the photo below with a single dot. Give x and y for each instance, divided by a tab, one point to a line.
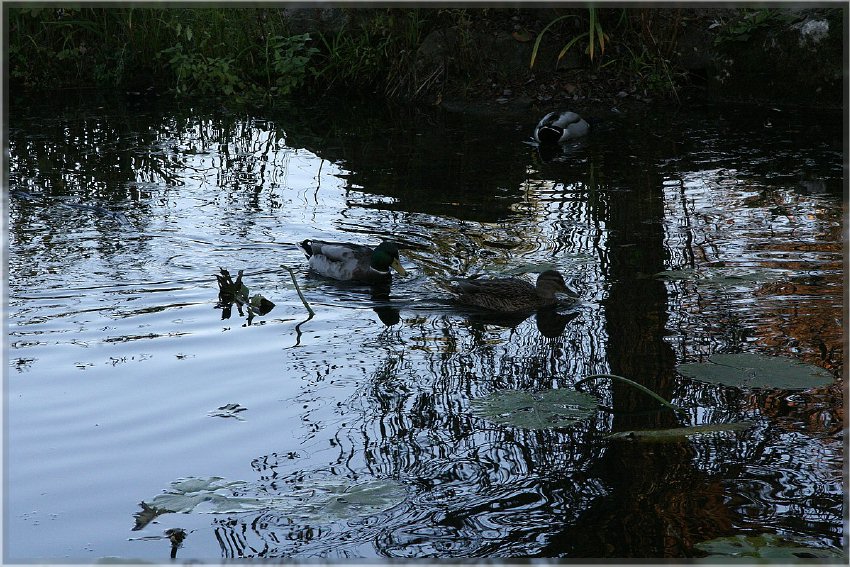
386	256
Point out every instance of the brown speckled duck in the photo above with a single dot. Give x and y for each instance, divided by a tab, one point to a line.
510	295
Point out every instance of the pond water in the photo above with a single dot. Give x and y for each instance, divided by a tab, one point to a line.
143	420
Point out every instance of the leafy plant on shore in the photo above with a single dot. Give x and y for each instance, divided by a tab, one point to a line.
196	71
249	53
374	50
50	45
651	71
287	62
647	49
351	57
751	21
230	52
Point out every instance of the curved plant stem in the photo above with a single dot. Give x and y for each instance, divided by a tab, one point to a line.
298	289
543	32
298	331
634	384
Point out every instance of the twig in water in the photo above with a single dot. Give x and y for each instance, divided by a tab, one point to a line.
298	289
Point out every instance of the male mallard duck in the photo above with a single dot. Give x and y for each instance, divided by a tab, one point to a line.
557	127
352	262
510	295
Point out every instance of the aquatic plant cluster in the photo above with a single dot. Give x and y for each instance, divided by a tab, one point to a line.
252	53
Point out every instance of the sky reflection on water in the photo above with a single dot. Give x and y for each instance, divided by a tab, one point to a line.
119	364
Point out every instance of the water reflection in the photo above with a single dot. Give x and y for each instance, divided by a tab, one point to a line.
712	235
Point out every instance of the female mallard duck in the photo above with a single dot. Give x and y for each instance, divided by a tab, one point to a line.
558	127
352	262
511	295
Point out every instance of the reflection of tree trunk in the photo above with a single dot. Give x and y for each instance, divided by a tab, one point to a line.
658	505
636	308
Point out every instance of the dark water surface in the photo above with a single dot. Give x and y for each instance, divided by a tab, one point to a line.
351	434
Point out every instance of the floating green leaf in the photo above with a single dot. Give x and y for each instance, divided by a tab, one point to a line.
536	410
260	305
341	500
677	275
765	546
756	371
230	292
677	433
219	496
319	500
146	515
723	277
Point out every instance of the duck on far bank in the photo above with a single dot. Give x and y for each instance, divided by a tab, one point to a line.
347	261
558	127
511	295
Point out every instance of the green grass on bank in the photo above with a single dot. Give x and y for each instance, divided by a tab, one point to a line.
246	52
256	52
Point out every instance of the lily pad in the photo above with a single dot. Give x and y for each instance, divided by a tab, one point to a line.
677	433
723	277
321	500
341	500
536	410
764	546
218	495
753	371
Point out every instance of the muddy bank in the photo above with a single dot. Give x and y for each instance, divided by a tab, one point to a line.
784	56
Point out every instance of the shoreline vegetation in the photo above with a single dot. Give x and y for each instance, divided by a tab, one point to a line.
435	55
